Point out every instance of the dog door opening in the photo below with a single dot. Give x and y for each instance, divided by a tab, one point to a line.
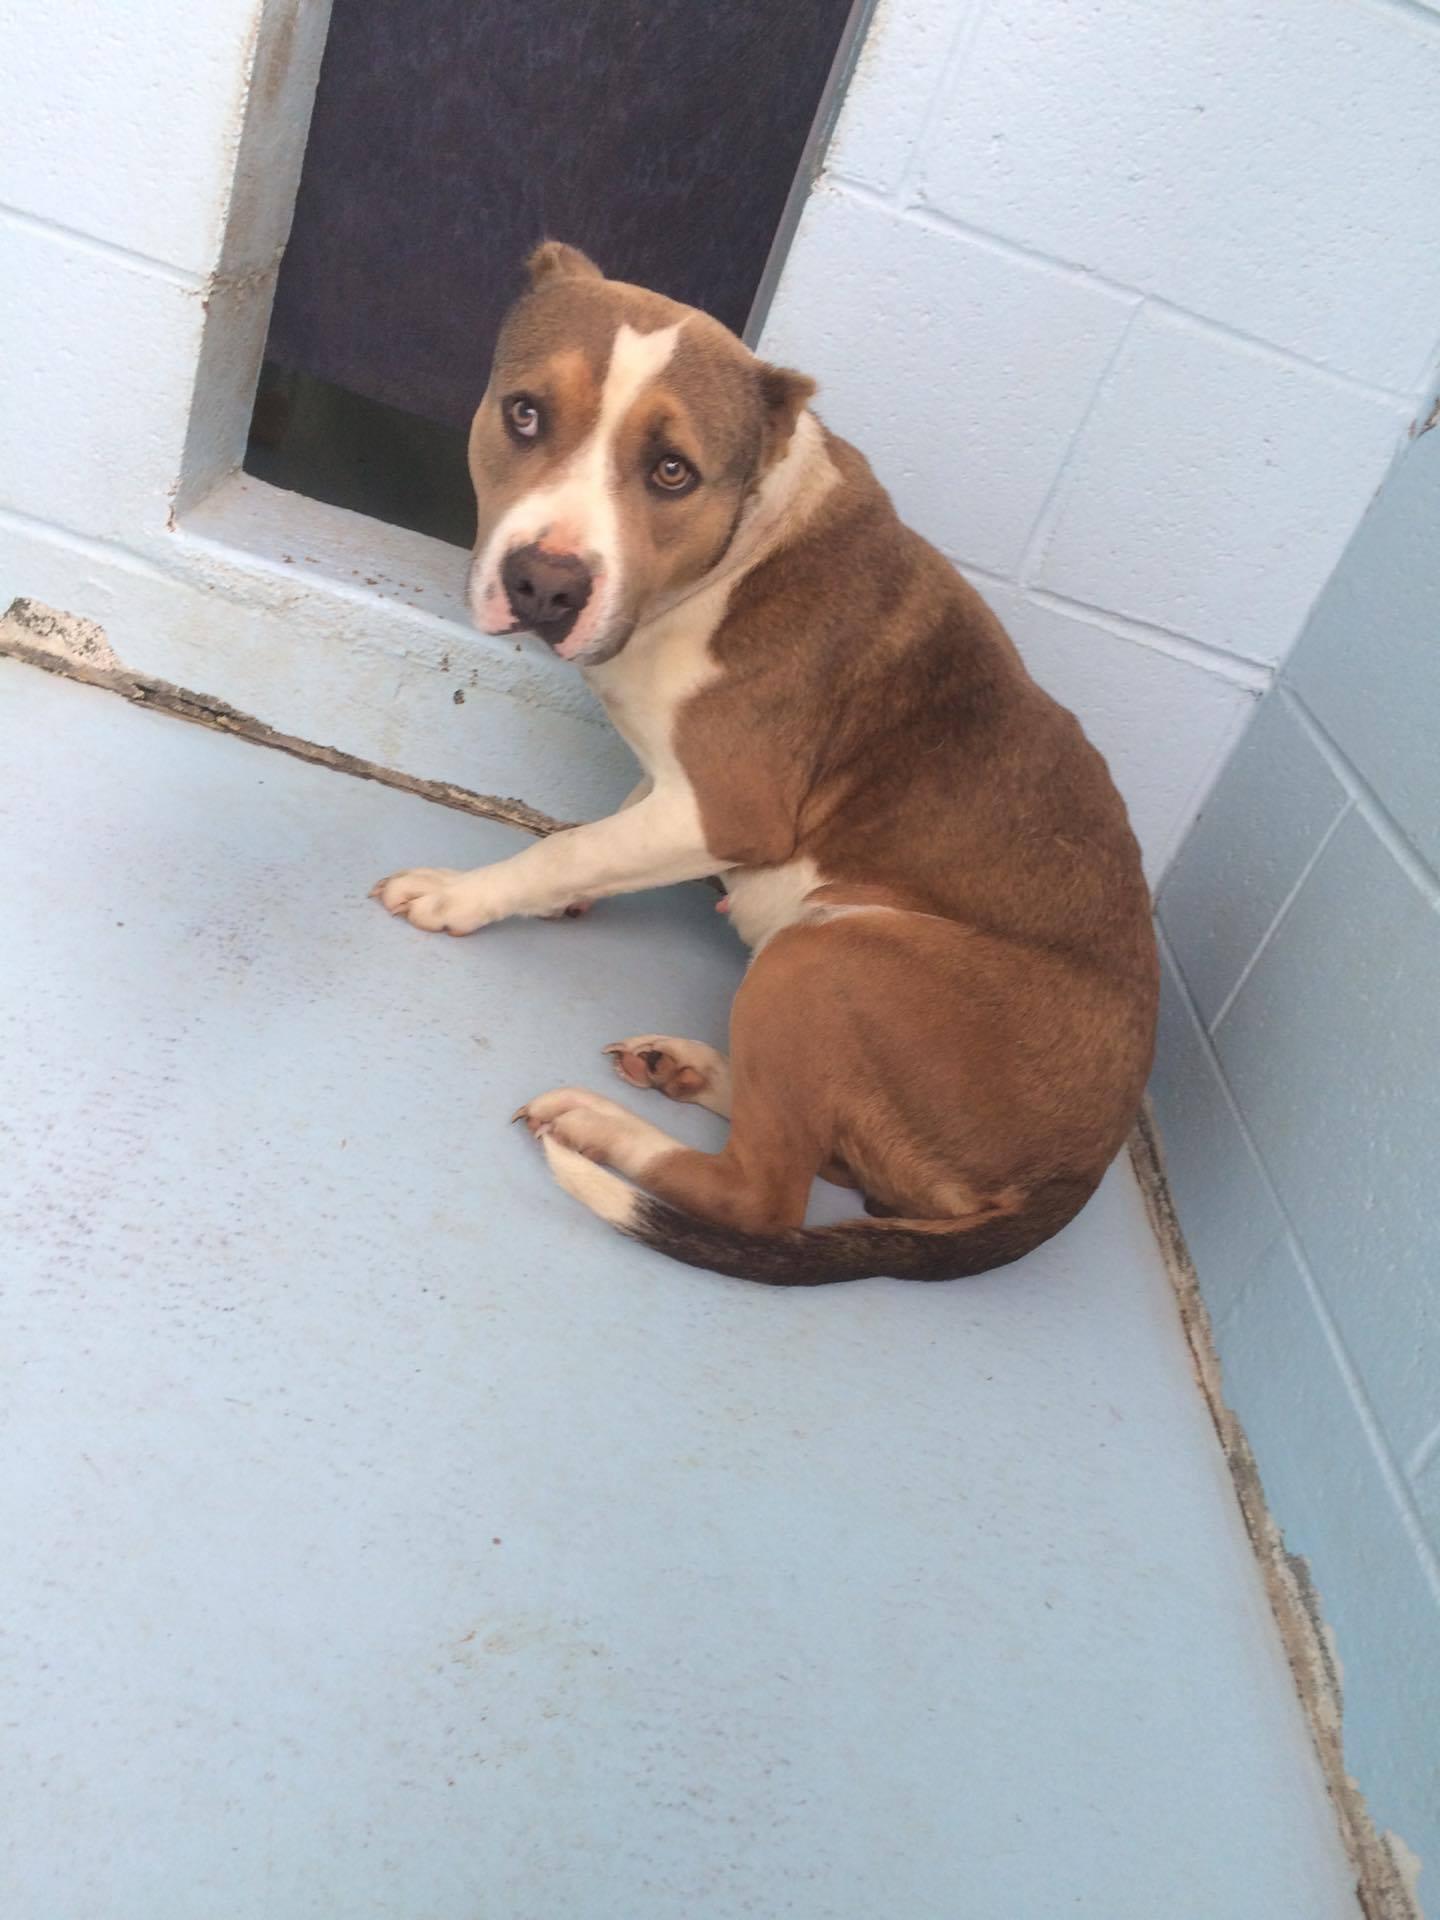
315	438
445	144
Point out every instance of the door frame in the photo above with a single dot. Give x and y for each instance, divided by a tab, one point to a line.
322	623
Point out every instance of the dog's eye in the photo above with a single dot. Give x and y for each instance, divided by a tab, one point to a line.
522	416
673	475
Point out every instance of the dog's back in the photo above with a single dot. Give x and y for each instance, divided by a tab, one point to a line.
906	747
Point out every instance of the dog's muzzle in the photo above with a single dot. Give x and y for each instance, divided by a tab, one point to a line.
547	592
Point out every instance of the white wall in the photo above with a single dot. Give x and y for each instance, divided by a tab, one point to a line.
1297	1089
1131	302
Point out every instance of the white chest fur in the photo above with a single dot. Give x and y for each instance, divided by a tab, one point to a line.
643	690
668	660
763	900
664	664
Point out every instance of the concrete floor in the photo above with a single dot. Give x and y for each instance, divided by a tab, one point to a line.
384	1538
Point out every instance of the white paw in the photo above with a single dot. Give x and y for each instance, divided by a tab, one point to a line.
439	899
680	1069
575	1117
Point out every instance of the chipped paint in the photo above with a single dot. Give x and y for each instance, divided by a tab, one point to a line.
81	642
66	644
1386	1869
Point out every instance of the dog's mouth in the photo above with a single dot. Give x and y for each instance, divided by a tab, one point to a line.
568	641
594	653
556	632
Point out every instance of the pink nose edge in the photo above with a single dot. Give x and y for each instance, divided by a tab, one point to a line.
722	905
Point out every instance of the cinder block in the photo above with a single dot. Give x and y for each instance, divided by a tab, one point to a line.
899	68
1273	167
99	358
124	122
1368	666
961	372
1274	804
1331	1047
1214	488
1325	1487
1226	1209
1162	723
1426	1484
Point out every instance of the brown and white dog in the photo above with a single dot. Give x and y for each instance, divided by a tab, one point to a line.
951	1003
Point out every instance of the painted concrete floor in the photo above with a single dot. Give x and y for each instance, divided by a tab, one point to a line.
383	1538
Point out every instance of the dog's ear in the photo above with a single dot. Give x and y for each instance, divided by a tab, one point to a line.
784	394
553	260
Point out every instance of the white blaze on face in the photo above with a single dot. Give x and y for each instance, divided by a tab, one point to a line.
577	511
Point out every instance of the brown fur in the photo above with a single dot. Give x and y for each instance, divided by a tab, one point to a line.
978	1059
893	734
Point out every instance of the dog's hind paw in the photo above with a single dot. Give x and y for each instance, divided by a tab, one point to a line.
685	1070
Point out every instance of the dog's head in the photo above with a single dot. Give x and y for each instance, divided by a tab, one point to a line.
618	443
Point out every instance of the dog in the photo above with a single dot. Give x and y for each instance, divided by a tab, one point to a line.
952	995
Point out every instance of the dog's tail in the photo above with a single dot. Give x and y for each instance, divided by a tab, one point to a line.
818	1256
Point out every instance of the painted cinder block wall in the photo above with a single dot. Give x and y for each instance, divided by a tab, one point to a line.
1298	1093
1131	304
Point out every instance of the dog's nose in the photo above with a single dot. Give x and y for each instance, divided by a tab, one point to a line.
546	590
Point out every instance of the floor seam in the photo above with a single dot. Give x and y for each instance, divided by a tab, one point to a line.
203	709
1381	1882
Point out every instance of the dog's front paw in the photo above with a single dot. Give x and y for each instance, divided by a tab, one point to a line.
575	1117
439	899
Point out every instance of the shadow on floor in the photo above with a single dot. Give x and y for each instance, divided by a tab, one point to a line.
313	438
